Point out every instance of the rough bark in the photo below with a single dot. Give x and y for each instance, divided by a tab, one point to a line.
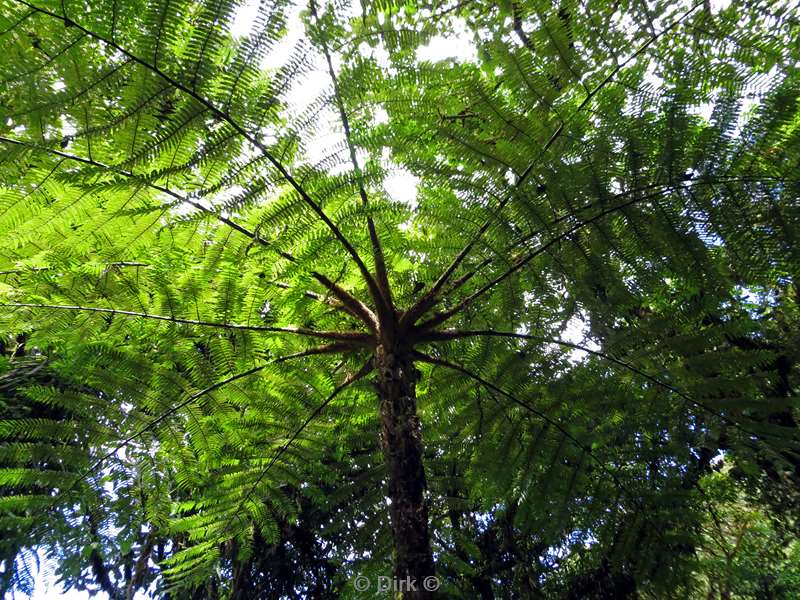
401	442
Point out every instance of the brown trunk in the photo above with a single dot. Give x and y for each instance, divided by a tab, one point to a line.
402	449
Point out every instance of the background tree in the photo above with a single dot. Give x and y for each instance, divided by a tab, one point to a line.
266	375
738	538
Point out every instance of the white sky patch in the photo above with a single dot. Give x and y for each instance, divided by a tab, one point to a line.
752	296
703	109
379	54
577	332
718	5
67	126
225	195
308	88
269	136
305	89
381	116
623	21
457	45
244	19
401	186
748	101
279	54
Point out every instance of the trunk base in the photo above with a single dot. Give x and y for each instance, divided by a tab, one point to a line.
401	440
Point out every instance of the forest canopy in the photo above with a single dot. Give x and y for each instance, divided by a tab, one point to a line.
319	299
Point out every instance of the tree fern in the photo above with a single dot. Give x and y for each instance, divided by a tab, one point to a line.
233	366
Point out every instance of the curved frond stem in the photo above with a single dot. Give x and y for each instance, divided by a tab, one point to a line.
351	303
458	283
453	334
337	304
347	299
365	370
662	187
353	339
494	388
431	297
284	286
440	318
387	307
327	349
110	265
217	112
17	22
130	175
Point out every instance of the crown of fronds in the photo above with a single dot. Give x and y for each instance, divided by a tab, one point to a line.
183	274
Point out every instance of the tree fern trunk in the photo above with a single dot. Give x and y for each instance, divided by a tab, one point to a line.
402	448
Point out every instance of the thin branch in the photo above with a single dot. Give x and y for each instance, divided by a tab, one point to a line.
370	281
351	338
108	266
648	187
386	307
431	296
585	449
318	297
17	22
421	309
284	286
515	13
141	568
454	8
458	283
100	570
522	261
